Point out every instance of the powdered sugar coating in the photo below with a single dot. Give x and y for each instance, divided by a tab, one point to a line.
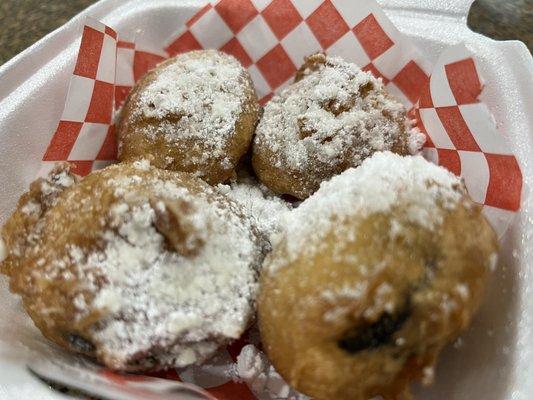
330	120
202	91
163	297
254	368
382	182
384	264
19	231
193	113
192	302
50	187
262	205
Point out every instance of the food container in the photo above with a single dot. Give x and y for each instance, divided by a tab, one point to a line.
490	361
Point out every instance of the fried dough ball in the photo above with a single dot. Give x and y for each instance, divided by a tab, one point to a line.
332	118
32	205
139	267
377	271
193	113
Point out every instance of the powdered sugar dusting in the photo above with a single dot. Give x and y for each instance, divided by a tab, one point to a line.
31	208
195	96
157	302
333	116
43	194
382	182
52	185
254	368
266	208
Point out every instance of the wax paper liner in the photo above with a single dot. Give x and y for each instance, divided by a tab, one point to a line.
270	38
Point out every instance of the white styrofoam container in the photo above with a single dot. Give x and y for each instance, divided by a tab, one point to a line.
494	359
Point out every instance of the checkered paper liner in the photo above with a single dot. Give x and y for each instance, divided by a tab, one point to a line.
270	38
462	136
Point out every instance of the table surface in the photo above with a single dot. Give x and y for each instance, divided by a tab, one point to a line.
23	22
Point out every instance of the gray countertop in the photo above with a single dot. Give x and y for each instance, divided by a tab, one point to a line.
23	22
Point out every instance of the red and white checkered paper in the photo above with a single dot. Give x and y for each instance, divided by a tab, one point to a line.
85	134
270	38
461	136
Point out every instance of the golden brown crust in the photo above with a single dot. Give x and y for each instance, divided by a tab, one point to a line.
312	63
50	302
297	163
180	154
369	313
59	286
32	205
